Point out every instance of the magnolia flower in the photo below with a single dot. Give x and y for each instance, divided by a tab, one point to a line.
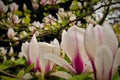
49	19
11	51
61	14
43	2
72	17
3	51
79	5
3	7
51	2
72	44
101	46
11	33
24	6
23	34
34	52
35	6
38	24
15	19
13	7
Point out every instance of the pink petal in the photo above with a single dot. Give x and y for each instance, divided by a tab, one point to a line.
90	41
38	68
109	38
98	31
47	69
33	51
116	62
61	62
24	49
72	40
46	48
78	63
103	62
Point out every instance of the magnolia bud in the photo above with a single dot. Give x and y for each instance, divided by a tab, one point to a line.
11	51
10	33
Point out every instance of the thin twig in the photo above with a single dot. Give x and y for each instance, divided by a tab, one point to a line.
10	75
86	14
105	14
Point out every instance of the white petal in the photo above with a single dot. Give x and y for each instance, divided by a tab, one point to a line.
28	76
72	40
46	48
61	74
56	43
11	51
33	52
98	31
61	62
109	37
116	62
63	37
24	49
103	62
90	42
11	33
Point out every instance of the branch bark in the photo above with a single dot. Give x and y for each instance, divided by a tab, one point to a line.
10	75
88	13
105	14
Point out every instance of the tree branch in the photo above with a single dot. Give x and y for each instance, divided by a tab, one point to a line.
88	13
105	14
10	75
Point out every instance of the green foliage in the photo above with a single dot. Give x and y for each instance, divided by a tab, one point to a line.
21	73
26	19
5	65
74	5
116	76
20	61
18	13
29	68
83	76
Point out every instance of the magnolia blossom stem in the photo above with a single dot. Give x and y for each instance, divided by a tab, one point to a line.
42	76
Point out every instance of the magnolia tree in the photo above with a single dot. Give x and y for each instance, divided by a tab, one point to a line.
59	40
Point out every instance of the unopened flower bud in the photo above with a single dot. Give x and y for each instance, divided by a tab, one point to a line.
10	33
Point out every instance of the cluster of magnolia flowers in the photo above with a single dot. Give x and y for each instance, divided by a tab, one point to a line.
13	20
92	49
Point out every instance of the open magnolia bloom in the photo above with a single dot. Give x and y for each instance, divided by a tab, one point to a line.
72	45
34	52
101	46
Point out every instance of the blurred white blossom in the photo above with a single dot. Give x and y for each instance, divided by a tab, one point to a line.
3	7
3	50
13	7
10	33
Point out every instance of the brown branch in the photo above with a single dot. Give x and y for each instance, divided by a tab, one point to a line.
11	75
61	28
86	14
105	14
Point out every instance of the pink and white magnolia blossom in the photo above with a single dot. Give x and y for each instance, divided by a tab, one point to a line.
3	7
15	19
43	2
34	52
13	7
10	33
72	45
101	46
